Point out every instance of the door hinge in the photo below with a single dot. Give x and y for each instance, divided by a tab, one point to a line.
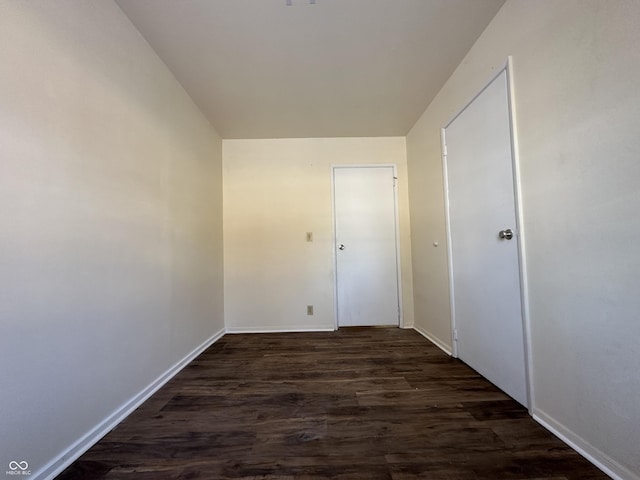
455	334
444	150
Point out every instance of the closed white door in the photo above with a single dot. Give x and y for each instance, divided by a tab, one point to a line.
487	305
366	247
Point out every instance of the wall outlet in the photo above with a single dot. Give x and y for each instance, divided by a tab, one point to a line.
309	309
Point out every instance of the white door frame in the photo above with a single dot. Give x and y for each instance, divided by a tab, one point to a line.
520	236
397	234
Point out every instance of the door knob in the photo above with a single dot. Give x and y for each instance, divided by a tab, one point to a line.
341	247
506	234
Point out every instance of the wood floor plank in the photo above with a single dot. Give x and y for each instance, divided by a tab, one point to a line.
375	403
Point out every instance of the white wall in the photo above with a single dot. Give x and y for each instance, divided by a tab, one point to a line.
576	73
110	238
274	192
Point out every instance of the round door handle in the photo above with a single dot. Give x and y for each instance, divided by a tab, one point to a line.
506	234
341	247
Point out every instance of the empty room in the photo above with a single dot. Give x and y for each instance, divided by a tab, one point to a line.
265	239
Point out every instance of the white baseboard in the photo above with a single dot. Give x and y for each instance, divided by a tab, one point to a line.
75	450
601	460
435	340
235	330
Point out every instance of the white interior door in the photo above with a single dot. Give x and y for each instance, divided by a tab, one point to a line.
487	305
366	246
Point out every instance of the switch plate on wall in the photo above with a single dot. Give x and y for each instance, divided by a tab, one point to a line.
309	236
309	309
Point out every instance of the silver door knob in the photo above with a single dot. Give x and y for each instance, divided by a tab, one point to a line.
506	234
341	247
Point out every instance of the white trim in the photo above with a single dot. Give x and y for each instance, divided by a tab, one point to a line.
524	286
435	340
507	68
447	217
396	220
333	248
84	443
600	459
240	330
394	167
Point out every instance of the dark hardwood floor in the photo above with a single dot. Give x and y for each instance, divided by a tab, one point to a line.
379	403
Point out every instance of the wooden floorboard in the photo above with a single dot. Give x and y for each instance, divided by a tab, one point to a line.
377	403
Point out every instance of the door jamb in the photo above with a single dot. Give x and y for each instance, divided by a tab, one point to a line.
394	168
507	67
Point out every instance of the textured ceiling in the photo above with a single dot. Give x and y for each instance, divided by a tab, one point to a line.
336	68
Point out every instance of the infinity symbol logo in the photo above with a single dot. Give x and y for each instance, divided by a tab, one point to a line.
13	465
